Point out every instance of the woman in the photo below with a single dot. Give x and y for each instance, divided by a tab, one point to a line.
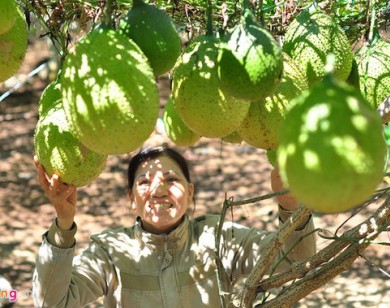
165	259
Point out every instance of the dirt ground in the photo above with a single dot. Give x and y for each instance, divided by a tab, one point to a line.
241	171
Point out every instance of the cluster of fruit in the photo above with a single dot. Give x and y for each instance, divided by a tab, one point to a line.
105	99
325	134
320	124
331	150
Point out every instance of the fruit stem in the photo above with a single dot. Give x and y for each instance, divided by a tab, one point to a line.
58	37
372	23
209	27
138	3
108	13
246	4
248	15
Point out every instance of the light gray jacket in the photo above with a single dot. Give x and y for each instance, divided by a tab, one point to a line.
133	268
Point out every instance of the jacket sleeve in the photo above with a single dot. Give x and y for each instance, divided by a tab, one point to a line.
60	280
242	247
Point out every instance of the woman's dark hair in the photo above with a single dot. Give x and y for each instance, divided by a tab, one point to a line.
153	152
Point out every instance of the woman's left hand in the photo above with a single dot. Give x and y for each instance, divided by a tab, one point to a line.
286	201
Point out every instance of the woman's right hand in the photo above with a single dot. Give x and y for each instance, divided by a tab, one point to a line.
62	196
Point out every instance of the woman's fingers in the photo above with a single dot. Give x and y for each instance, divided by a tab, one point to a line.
42	176
52	185
41	171
55	183
287	201
62	196
58	189
65	191
276	181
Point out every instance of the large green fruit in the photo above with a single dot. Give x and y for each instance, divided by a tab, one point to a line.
373	71
175	128
109	93
8	15
61	153
250	62
261	126
155	33
199	101
332	150
13	47
310	38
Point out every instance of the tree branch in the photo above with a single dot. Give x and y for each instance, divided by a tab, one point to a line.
223	281
360	236
270	252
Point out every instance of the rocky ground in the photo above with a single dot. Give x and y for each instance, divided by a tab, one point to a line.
218	168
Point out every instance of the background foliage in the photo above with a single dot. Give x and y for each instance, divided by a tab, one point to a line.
64	21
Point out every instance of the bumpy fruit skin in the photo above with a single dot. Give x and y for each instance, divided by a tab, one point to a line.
109	93
261	127
175	128
250	62
272	157
155	33
310	38
199	101
373	71
50	96
13	46
8	15
61	153
332	150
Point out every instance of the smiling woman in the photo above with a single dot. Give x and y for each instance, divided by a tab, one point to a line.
161	192
165	259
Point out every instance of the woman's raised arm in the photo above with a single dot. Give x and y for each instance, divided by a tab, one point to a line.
62	196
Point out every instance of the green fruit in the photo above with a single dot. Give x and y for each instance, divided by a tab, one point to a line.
109	93
175	128
199	101
261	126
310	38
50	96
61	153
386	133
332	151
8	15
373	70
272	157
13	47
155	33
233	137
250	62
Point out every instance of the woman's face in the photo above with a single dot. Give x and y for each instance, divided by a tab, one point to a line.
160	194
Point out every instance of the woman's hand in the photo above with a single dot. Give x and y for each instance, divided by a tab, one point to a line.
286	201
63	197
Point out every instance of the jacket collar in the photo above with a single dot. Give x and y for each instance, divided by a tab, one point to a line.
175	237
